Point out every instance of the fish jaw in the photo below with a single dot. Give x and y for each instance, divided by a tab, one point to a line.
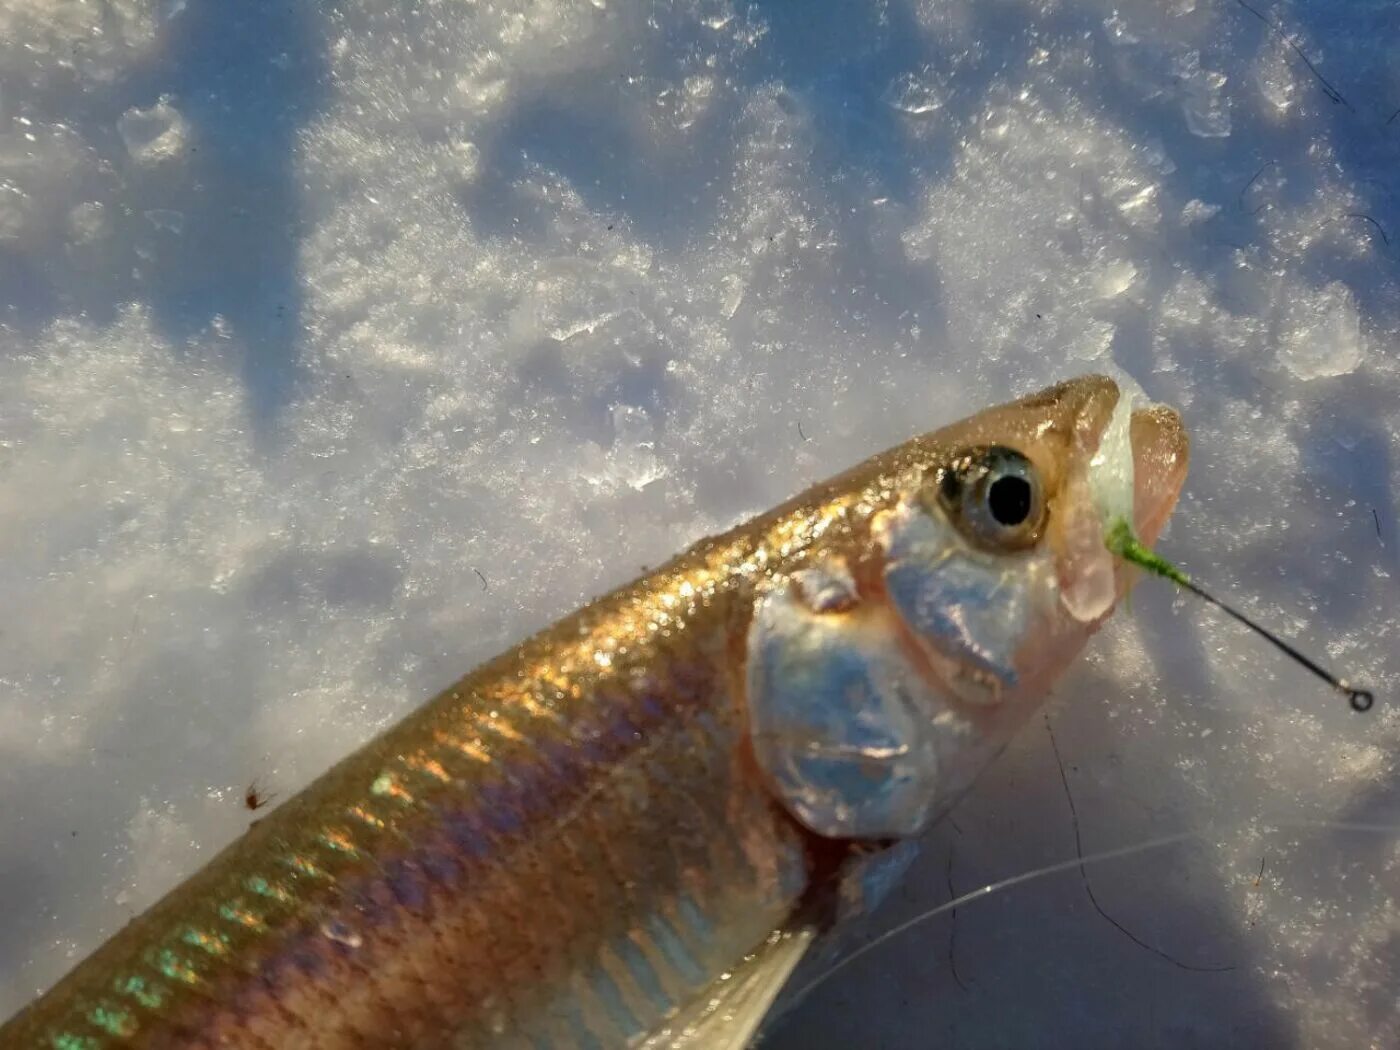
1161	453
883	681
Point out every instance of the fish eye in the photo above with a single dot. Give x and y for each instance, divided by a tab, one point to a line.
993	495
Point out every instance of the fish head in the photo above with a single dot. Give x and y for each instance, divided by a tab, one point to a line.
993	555
882	679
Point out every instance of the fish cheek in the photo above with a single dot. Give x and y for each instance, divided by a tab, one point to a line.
969	612
842	722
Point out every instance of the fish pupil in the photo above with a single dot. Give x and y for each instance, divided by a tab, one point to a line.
1009	500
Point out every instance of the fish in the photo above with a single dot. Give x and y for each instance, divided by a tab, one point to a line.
628	830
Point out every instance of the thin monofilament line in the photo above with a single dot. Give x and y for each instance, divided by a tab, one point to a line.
1122	542
1079	862
987	891
1089	889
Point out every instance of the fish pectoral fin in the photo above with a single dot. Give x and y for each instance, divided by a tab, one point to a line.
727	1015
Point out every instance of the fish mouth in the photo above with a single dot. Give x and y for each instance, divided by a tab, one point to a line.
1161	453
1101	431
1156	436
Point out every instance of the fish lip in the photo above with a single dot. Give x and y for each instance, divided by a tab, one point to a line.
1161	455
1157	437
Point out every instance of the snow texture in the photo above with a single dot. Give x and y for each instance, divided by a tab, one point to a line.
342	345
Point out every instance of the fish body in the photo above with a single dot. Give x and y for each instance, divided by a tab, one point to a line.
572	844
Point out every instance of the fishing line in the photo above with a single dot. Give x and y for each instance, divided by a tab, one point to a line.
1089	889
953	926
1120	852
1123	543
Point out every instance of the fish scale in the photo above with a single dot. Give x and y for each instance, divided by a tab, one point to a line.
301	933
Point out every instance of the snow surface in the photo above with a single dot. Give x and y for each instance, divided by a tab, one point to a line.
342	345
